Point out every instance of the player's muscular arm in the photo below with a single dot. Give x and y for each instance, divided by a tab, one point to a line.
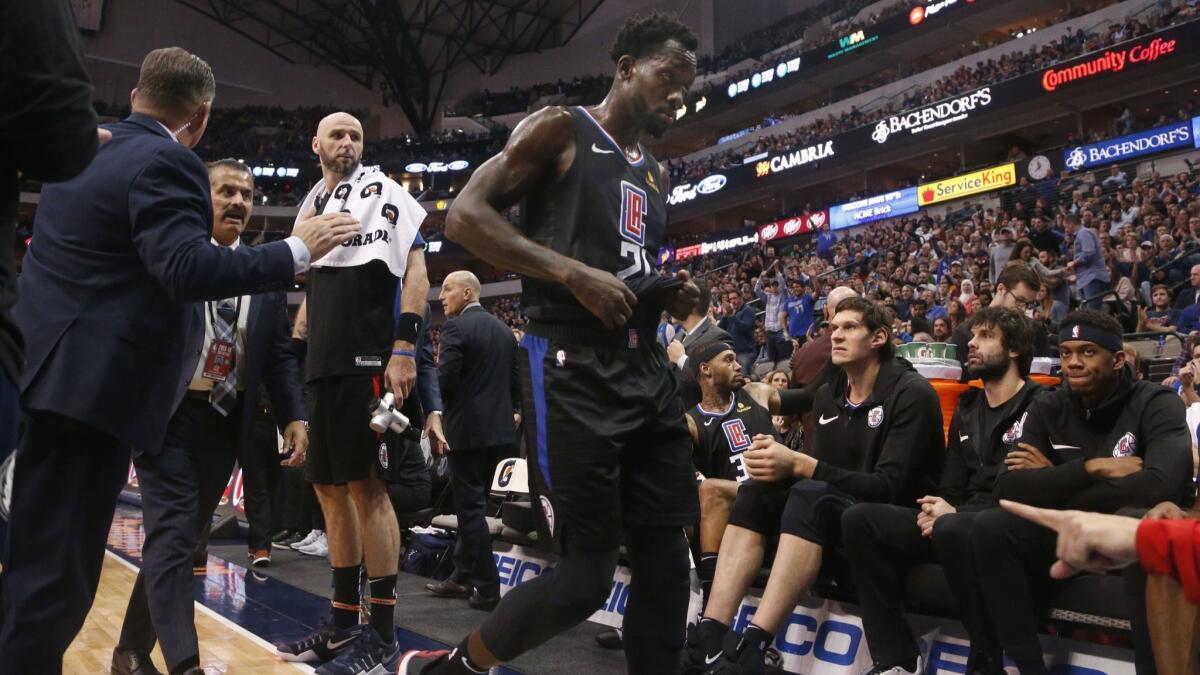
540	150
785	402
695	432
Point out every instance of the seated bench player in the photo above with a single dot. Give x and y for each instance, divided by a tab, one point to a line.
878	439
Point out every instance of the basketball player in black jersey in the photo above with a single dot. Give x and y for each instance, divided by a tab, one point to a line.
609	450
731	413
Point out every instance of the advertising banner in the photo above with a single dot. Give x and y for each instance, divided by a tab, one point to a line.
1196	131
791	227
1122	148
874	208
976	182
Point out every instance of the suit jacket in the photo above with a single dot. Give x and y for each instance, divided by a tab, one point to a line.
477	373
109	293
270	362
429	393
689	389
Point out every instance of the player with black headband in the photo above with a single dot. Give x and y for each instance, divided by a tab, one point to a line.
610	453
366	302
878	439
731	413
1103	441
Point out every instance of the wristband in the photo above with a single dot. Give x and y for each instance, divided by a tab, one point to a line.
404	352
408	327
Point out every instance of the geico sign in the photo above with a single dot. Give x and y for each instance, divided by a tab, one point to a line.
793	159
1111	61
967	184
437	167
688	192
931	117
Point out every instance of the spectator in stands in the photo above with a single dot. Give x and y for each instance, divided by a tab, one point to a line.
1191	295
1158	317
666	330
696	329
1092	277
883	540
797	313
1016	288
769	290
739	321
887	449
1048	311
941	329
1103	441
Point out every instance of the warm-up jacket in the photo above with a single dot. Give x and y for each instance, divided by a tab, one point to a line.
888	449
1138	419
975	453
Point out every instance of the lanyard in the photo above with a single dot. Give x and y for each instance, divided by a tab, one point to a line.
237	319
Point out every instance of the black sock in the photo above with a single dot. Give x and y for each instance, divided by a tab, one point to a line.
706	569
756	638
459	663
383	606
182	666
910	665
345	596
711	635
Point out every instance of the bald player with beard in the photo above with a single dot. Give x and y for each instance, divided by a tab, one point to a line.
366	305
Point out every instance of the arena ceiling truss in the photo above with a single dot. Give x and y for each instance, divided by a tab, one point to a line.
407	47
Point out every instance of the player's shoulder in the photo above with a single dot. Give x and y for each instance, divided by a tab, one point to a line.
549	128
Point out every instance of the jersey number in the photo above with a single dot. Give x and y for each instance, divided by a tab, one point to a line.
633	231
735	433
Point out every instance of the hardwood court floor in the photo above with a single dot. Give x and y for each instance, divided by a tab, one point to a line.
224	648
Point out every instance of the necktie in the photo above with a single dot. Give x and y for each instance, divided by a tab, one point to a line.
224	396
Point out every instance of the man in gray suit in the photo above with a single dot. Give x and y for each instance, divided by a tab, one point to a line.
698	327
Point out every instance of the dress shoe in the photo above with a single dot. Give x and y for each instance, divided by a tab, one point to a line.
485	602
260	557
449	589
129	662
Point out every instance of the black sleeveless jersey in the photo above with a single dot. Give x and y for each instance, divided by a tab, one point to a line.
606	212
725	435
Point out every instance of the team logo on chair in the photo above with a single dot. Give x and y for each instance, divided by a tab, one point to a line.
371	189
383	455
875	417
342	191
548	511
1126	446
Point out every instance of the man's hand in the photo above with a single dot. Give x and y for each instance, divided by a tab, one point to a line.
1166	511
295	441
768	461
602	294
321	234
682	300
436	435
516	420
1086	541
400	376
1028	457
103	135
1112	467
932	508
675	351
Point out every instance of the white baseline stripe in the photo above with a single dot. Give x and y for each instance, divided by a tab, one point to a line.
226	622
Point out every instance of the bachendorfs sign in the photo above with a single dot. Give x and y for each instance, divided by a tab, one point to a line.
791	227
933	116
1110	61
1159	139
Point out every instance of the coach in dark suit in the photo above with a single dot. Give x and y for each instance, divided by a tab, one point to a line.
476	371
698	328
120	257
182	483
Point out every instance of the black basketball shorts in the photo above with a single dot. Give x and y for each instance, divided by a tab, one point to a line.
809	509
606	440
342	447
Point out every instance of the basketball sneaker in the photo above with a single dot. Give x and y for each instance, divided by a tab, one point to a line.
739	656
895	670
324	644
418	662
308	539
367	655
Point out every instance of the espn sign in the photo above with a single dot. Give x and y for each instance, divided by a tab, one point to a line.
1111	61
989	179
790	227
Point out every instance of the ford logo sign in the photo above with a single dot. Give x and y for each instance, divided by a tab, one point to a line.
458	165
711	184
416	167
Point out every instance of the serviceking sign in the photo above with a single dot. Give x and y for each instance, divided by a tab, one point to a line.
823	637
1169	137
973	183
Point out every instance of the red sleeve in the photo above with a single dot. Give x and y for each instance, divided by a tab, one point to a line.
1172	547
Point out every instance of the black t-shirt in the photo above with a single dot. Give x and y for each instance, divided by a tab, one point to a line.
352	313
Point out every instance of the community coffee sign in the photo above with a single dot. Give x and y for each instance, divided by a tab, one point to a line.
933	116
1110	61
790	227
993	178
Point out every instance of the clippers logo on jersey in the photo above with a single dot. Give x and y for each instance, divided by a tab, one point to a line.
1126	446
633	213
1014	432
735	432
371	189
383	455
875	417
633	339
390	213
548	512
342	191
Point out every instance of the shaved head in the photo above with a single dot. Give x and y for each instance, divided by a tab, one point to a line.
459	289
836	296
337	118
339	145
465	279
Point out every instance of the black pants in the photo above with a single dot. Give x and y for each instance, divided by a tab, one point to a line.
471	473
181	486
301	510
259	460
952	535
67	479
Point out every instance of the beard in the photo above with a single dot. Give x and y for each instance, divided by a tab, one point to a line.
989	370
335	166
